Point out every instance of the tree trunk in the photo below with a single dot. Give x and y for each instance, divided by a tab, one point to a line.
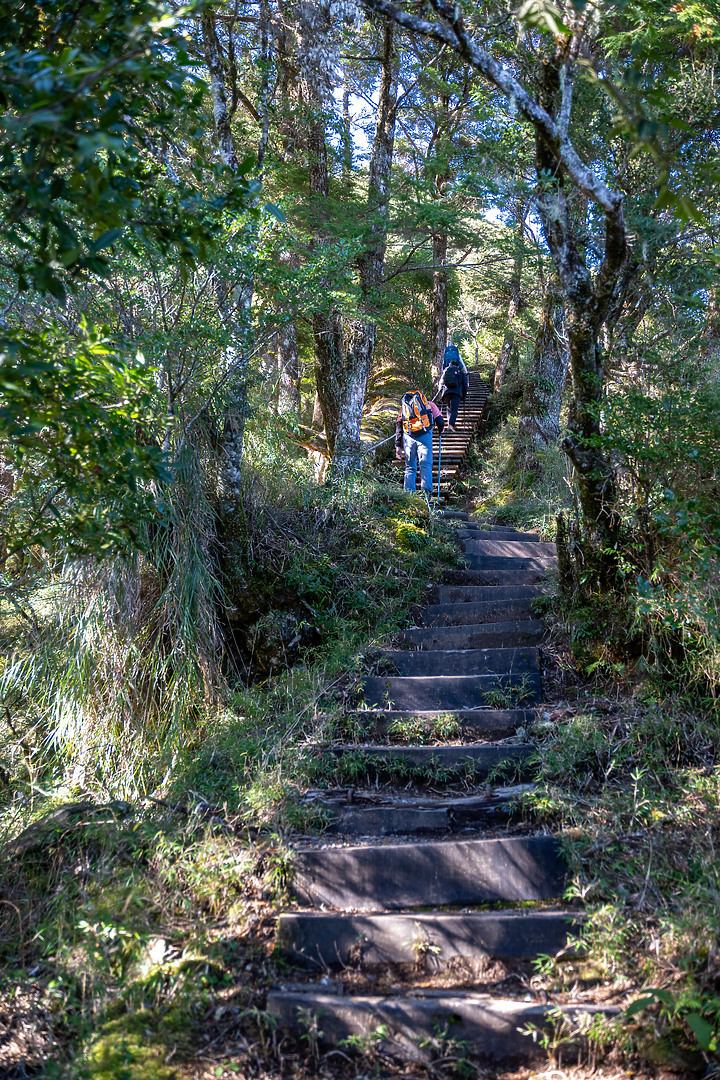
587	303
288	366
235	300
508	344
231	442
344	347
539	420
439	331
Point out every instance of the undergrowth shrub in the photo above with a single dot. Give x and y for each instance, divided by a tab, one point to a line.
510	495
635	788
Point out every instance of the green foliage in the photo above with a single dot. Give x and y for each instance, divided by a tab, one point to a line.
629	784
69	425
91	98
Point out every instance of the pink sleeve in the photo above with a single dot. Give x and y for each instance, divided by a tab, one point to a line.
434	410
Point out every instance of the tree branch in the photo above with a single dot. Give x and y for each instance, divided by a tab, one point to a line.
496	73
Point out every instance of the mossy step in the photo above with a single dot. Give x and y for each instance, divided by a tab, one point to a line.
365	816
499	534
479	758
446	662
330	940
473	576
476	594
449	691
430	873
493	1030
480	561
493	723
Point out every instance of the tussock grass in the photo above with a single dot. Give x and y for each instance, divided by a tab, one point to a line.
507	494
130	940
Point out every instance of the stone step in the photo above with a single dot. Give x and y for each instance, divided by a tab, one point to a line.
327	940
492	723
430	873
446	662
514	548
447	691
366	816
473	576
418	1028
498	610
477	594
480	758
509	562
477	636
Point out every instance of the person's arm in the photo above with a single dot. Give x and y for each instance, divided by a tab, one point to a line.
437	416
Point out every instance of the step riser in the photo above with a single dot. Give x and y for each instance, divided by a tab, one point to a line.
485	723
424	875
451	692
464	662
327	940
468	614
512	549
479	594
481	760
504	636
509	562
493	1031
412	821
474	576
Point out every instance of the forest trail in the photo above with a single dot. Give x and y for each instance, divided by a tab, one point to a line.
420	909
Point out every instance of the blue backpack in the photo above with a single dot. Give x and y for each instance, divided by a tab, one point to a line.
451	353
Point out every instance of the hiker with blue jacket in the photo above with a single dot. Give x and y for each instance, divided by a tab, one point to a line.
454	383
414	438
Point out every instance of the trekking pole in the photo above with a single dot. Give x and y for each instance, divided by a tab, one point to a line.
439	464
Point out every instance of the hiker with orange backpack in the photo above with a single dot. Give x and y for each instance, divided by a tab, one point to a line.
414	438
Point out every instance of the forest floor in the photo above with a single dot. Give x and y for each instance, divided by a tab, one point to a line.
138	935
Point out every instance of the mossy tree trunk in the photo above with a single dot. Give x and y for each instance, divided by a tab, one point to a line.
539	417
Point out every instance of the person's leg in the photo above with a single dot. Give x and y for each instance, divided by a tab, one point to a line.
454	406
410	446
425	460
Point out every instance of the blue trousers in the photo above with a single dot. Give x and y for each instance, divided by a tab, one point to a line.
418	452
453	404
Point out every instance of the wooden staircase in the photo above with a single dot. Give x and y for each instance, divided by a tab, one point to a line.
419	910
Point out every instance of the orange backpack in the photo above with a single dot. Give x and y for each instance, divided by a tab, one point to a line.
416	413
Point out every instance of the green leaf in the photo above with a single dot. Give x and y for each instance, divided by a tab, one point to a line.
700	1028
638	1005
108	237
